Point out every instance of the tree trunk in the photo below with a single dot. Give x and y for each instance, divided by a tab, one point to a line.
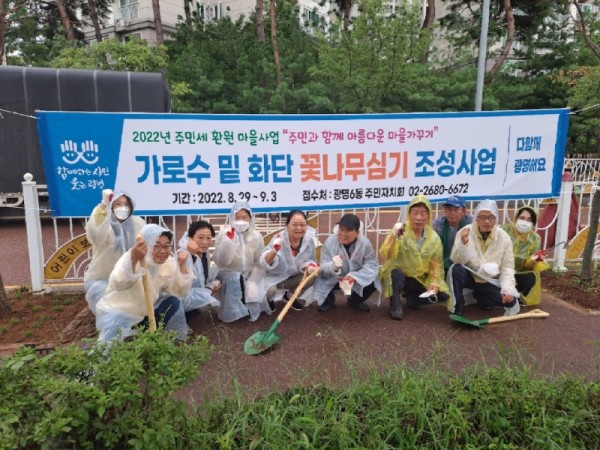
95	21
260	21
5	310
274	41
160	37
64	18
588	251
510	36
429	15
347	9
3	14
580	23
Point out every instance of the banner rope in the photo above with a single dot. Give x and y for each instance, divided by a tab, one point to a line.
16	114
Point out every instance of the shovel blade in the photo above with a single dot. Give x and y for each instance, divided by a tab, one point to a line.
473	323
260	341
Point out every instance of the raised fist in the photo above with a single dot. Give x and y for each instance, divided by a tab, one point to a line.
311	268
229	231
464	235
107	196
337	262
398	229
277	243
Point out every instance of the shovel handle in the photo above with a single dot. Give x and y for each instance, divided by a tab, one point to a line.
535	314
147	292
305	279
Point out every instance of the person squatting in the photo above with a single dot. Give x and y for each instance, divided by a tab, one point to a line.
456	260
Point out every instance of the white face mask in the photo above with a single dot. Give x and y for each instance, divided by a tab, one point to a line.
122	212
241	225
523	226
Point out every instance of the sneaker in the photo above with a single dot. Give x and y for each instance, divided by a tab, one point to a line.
512	310
297	306
272	305
360	306
327	304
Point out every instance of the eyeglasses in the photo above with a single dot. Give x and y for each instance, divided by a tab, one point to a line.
298	225
486	218
166	248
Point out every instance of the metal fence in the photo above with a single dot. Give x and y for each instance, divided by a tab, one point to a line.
567	218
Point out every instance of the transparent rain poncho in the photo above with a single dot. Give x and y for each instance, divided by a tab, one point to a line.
200	295
525	245
285	265
110	239
236	257
123	305
425	265
362	265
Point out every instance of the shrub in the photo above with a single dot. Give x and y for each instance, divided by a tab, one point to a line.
100	397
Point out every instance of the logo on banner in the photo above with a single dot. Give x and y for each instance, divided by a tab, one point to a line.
72	155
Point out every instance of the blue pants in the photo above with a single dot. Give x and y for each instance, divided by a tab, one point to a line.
163	312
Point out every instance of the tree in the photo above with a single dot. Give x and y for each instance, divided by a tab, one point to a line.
160	36
373	66
273	18
133	55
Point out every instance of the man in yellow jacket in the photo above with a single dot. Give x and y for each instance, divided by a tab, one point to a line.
413	261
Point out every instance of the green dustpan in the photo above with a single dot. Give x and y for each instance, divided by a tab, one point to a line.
535	314
263	340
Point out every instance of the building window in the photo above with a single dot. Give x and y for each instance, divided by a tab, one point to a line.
201	11
130	36
217	11
129	9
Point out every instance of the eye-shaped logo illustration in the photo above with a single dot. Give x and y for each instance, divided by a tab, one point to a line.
72	155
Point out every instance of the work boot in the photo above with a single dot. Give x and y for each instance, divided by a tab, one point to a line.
397	314
327	304
396	307
459	310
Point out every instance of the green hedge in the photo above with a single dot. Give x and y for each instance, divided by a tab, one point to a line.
122	398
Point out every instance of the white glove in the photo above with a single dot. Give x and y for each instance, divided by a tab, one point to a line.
107	196
398	229
214	284
229	231
311	268
337	262
277	244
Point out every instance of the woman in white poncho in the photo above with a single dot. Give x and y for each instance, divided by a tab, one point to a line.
282	264
123	305
197	240
111	229
237	249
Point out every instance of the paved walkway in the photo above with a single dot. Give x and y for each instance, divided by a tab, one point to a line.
328	348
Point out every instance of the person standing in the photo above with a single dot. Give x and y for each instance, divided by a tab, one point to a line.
412	256
111	229
483	261
349	262
455	217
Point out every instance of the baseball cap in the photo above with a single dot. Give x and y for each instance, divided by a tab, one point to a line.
350	222
455	200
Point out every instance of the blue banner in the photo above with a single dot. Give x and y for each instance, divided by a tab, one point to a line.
176	164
